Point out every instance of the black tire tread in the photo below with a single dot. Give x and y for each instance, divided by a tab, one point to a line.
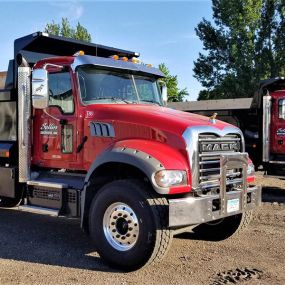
165	235
245	221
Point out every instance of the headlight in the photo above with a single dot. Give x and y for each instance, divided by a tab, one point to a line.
168	178
250	169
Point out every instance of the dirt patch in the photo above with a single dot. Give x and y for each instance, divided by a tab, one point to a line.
39	250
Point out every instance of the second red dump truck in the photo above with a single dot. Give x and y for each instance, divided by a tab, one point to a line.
261	119
85	135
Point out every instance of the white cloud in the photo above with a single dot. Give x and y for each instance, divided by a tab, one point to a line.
178	39
72	10
190	37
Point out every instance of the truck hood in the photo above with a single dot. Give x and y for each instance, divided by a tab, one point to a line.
153	116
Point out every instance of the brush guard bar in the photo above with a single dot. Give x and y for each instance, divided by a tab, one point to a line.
206	208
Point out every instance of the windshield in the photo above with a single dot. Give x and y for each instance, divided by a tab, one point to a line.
109	86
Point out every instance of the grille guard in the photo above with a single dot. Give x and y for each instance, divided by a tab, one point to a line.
237	160
198	210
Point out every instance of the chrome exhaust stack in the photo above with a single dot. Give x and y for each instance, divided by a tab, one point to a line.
24	118
266	127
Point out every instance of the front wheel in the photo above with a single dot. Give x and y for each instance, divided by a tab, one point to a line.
129	224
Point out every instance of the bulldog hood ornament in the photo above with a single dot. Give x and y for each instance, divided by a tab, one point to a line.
212	119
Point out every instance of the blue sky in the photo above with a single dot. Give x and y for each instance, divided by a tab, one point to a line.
162	31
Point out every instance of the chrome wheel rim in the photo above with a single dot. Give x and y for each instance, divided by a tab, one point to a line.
121	227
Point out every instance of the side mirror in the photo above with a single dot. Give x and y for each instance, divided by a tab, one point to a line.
164	94
40	90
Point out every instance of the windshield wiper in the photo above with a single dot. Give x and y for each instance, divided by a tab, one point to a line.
115	99
151	101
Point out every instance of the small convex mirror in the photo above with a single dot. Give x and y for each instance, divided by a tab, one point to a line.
164	94
40	94
163	90
282	109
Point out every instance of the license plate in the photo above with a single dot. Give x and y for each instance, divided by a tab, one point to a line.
232	205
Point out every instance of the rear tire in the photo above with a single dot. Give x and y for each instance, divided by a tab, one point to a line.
129	225
224	228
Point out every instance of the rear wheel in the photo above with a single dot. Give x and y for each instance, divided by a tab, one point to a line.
129	225
224	228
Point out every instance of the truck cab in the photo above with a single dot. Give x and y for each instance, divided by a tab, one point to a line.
274	127
88	137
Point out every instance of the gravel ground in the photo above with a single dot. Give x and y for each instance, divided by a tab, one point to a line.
37	249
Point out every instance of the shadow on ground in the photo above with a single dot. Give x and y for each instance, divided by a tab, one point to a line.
273	194
46	240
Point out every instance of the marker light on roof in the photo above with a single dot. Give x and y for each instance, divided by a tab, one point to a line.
135	60
149	65
80	52
124	58
115	57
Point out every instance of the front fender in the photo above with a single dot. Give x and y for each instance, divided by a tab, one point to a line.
147	156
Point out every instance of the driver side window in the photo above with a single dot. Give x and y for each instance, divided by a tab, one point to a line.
60	91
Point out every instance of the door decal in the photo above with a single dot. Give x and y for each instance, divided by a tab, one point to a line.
48	129
281	132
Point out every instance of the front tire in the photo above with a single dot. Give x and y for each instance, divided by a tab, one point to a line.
225	228
129	224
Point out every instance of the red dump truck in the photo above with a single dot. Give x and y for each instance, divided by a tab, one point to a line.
83	134
261	118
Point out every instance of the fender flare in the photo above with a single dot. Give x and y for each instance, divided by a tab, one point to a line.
147	156
139	159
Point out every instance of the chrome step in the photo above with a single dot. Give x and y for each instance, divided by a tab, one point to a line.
47	184
39	210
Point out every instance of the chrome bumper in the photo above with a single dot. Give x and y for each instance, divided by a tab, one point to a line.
197	210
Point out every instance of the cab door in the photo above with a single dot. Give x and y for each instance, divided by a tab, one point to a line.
278	124
55	127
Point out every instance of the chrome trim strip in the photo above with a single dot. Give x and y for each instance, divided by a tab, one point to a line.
191	138
277	161
47	184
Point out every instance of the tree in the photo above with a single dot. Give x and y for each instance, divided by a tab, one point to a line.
64	29
174	93
244	44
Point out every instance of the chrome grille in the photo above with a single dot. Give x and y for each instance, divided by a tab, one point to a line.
211	146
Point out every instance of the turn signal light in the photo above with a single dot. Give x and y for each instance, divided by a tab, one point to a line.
135	60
